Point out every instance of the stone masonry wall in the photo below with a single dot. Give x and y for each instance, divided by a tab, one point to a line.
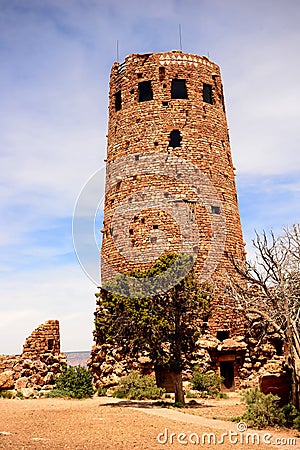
151	186
34	371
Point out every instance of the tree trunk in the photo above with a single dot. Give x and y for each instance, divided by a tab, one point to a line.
178	387
296	382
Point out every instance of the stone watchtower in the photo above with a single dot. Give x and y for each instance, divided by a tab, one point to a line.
170	182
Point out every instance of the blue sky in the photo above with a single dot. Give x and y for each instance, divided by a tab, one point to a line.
55	62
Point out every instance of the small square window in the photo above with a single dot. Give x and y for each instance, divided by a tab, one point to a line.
145	91
175	139
131	231
207	93
118	101
215	209
178	89
165	103
155	227
137	157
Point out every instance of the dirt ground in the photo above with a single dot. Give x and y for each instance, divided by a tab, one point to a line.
105	423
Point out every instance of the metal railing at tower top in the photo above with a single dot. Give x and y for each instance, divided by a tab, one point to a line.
122	67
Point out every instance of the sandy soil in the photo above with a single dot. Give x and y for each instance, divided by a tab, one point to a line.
105	423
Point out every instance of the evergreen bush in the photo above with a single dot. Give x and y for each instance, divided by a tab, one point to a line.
138	387
73	382
208	385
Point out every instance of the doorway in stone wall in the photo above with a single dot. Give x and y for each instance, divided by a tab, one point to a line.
227	372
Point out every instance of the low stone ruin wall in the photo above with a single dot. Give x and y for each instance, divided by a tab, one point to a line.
33	372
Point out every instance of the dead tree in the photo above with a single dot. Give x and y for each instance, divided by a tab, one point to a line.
273	292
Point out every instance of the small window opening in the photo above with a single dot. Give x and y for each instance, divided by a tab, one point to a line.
145	91
207	93
137	157
139	75
131	231
155	227
164	86
165	103
143	220
156	143
132	91
118	101
50	344
178	89
222	335
162	73
215	209
175	139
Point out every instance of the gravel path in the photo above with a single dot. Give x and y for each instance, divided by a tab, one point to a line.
56	424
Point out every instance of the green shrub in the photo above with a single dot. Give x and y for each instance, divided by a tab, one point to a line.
138	387
191	394
73	382
58	393
222	395
296	423
262	410
101	391
6	394
290	414
208	385
20	395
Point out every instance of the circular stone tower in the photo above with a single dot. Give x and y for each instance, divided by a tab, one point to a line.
170	182
168	149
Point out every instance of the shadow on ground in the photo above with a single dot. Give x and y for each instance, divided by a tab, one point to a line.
151	404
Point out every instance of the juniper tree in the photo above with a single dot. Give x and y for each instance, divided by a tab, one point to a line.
165	325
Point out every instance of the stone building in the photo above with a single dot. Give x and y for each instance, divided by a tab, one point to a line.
170	187
34	371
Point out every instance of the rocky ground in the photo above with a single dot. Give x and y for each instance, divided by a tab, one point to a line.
105	423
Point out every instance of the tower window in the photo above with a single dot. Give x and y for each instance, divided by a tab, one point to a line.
207	93
162	73
175	139
131	231
118	101
50	344
145	91
178	89
215	209
155	227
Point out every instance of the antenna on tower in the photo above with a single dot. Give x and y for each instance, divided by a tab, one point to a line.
180	38
117	50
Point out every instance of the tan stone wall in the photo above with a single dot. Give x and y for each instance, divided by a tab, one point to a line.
139	131
39	364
